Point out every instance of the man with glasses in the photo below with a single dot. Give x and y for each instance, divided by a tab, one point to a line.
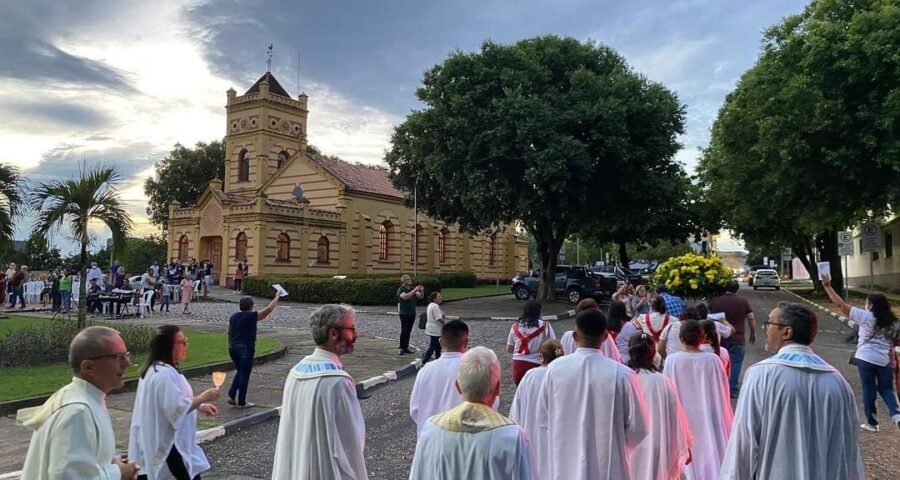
322	432
796	415
242	347
73	434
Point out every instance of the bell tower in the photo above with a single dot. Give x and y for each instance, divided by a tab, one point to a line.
265	127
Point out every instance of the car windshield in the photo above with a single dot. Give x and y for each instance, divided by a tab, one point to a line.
766	273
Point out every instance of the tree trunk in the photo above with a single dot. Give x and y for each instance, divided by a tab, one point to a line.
82	288
827	244
803	253
623	254
548	247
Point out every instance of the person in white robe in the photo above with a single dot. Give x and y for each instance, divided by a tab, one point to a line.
712	344
73	434
164	419
434	390
525	338
591	409
607	348
657	320
524	409
702	386
669	341
796	415
321	434
472	441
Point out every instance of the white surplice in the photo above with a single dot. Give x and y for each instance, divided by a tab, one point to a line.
471	442
162	417
796	419
524	411
73	436
321	434
592	413
662	454
703	390
607	348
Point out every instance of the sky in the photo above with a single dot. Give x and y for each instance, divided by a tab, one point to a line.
123	81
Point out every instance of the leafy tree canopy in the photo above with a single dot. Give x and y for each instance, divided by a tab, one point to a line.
183	176
546	132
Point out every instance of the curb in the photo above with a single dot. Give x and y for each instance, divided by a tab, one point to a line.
559	316
844	320
12	406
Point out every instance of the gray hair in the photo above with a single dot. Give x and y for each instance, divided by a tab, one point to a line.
325	318
90	342
478	374
405	277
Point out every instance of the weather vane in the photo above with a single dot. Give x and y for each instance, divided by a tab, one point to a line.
269	61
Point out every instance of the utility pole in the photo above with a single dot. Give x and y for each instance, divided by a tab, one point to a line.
415	248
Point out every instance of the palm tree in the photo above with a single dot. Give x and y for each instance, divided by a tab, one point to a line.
11	200
74	203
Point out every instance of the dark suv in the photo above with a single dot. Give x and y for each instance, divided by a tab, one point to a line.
620	274
574	283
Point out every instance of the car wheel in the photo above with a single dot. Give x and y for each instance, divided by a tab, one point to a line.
521	292
777	288
574	295
756	288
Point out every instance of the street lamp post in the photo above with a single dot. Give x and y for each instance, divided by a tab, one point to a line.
415	248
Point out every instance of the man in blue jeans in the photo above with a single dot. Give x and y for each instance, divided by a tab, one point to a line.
242	347
738	312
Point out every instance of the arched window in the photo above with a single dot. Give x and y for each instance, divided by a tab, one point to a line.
183	248
322	253
442	245
492	247
283	248
244	166
282	158
383	234
240	247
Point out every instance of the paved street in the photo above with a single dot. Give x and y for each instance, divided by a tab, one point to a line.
390	438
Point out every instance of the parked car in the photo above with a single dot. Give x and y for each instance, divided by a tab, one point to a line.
752	272
572	282
766	278
621	274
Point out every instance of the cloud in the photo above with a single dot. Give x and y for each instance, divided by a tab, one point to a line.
32	60
54	115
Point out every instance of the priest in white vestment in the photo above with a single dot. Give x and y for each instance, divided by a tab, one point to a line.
796	415
591	409
435	388
702	386
472	441
321	434
73	434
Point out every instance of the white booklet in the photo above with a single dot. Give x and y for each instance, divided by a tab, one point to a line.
281	291
716	316
824	269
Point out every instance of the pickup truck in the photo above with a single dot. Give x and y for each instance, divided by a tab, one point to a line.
572	282
619	273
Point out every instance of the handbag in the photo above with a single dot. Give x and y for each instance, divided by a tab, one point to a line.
423	319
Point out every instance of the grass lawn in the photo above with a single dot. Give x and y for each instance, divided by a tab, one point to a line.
21	382
478	291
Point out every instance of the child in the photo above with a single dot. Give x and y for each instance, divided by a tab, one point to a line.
166	295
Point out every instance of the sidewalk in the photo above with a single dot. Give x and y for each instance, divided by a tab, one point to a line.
371	358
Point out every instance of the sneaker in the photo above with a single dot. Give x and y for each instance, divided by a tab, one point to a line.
896	420
230	401
869	428
246	405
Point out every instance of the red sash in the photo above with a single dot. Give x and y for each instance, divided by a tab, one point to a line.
656	333
524	340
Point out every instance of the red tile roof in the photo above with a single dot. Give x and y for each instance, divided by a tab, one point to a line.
239	199
359	178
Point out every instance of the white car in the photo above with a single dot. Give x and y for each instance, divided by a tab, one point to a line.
765	277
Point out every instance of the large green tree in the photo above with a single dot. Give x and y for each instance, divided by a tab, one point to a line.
808	143
75	204
543	132
182	176
12	199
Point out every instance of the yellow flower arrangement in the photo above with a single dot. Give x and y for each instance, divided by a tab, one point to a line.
693	276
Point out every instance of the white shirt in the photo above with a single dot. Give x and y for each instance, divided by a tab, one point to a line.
877	350
657	322
433	324
434	390
672	335
608	348
524	411
622	339
534	345
161	418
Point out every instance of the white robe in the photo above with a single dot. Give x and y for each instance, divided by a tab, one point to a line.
592	414
73	436
321	434
607	348
524	411
662	454
161	418
471	442
796	419
703	390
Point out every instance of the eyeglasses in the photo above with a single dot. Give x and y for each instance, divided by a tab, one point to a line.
767	323
117	356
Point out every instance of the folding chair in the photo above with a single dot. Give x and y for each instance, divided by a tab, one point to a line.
144	306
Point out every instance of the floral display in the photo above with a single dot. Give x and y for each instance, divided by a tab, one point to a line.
693	276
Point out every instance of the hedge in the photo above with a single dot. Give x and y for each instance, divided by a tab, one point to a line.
48	342
356	289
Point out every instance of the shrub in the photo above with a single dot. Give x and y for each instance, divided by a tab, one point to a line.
693	276
48	342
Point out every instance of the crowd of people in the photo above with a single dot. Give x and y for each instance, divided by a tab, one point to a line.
638	396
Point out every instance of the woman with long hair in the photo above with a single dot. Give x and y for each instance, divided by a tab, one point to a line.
525	338
524	409
713	343
640	301
703	390
664	452
164	420
875	358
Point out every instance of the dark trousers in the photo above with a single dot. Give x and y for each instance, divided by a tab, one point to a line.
736	353
17	293
406	324
242	356
176	465
433	347
876	381
237	284
55	300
